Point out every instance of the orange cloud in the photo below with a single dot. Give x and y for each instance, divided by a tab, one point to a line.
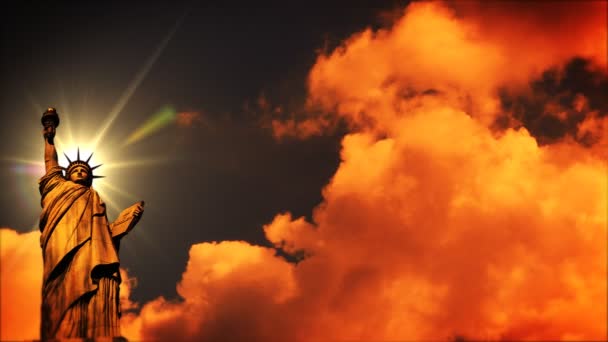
463	52
417	238
20	285
434	225
289	121
547	32
188	119
231	291
301	129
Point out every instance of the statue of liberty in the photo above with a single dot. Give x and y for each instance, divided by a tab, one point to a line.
80	285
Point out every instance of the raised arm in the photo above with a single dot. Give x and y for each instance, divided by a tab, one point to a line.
50	121
50	153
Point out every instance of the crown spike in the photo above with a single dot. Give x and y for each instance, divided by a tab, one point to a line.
89	158
98	176
66	157
78	153
94	167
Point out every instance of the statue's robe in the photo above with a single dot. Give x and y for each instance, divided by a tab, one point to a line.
81	267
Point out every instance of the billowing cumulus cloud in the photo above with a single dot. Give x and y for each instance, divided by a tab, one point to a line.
451	213
418	238
230	290
431	50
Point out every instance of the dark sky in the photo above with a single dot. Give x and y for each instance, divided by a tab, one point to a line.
227	177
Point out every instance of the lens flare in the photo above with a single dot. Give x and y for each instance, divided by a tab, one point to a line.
122	101
23	162
162	118
65	113
30	170
33	102
24	187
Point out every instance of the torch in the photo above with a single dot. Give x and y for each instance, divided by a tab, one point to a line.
50	121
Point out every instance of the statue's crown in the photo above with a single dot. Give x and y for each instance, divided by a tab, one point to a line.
84	163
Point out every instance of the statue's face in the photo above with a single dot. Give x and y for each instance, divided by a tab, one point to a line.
79	175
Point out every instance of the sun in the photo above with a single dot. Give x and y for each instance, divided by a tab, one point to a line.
93	142
111	161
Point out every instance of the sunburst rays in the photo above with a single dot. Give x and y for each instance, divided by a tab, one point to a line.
134	84
162	118
66	113
113	190
37	107
137	163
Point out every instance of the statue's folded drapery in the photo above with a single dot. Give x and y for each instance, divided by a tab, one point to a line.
81	266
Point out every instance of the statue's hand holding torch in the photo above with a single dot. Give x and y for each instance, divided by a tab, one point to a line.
49	133
50	121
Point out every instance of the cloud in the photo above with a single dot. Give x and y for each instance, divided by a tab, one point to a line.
547	32
20	285
558	102
463	52
289	120
417	238
189	118
436	224
231	291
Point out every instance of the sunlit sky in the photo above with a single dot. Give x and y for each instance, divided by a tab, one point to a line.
112	69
